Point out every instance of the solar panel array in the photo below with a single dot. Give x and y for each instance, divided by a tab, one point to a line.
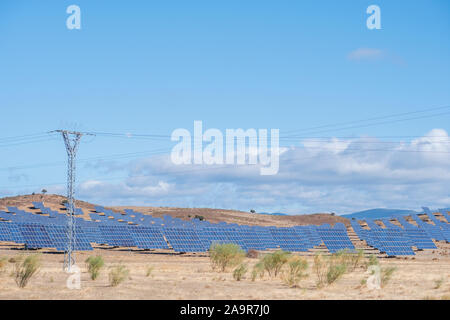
148	237
335	239
134	229
184	240
394	239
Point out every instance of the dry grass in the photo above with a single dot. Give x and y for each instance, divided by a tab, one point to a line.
191	277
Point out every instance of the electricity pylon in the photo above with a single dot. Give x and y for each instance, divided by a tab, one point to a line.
71	140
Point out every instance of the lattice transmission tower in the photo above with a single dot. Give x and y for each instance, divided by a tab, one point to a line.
71	140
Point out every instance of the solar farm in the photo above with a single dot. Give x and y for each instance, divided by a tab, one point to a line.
141	238
46	229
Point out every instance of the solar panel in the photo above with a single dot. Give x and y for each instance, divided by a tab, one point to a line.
265	237
392	242
335	239
117	235
15	232
287	239
35	236
419	238
148	237
5	234
184	240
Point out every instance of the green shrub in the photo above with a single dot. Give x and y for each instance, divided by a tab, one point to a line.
94	264
386	274
240	271
329	269
335	271
149	271
371	261
348	258
295	272
258	271
226	255
25	268
337	265
320	269
273	262
118	274
438	283
355	259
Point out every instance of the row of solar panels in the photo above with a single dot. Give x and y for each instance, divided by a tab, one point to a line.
187	237
195	236
395	240
200	239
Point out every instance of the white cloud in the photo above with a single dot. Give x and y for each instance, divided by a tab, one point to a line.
366	54
333	175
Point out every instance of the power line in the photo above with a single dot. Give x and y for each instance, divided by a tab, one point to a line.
377	123
369	119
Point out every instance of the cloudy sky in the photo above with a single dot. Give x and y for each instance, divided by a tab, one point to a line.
363	114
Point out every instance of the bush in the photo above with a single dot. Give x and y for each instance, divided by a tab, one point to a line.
329	269
355	259
371	261
337	265
295	271
239	272
94	264
335	271
273	262
25	268
320	269
149	271
258	271
226	255
348	258
386	274
438	283
201	218
118	274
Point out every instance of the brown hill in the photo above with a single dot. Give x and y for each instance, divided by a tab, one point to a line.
53	201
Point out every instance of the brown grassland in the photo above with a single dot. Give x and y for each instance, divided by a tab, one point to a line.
191	277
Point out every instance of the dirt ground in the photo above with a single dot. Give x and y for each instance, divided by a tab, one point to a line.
191	277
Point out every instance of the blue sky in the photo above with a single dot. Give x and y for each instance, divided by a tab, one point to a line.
149	67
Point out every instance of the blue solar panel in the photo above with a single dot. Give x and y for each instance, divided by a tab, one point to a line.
288	239
184	240
148	237
5	234
58	237
335	239
117	235
35	235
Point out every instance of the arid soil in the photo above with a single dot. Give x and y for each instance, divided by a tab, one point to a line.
426	276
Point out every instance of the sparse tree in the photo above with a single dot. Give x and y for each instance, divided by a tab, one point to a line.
44	191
